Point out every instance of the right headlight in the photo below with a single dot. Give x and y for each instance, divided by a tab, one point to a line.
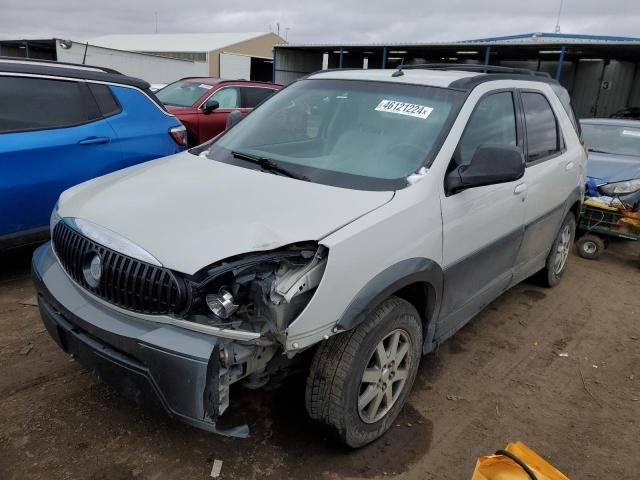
620	188
54	219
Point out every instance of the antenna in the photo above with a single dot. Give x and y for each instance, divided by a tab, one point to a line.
557	29
286	33
156	22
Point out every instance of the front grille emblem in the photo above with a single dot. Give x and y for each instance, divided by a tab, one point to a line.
93	270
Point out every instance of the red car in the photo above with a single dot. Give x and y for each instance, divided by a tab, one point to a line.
203	104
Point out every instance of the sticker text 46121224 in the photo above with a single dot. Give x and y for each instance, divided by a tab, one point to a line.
403	108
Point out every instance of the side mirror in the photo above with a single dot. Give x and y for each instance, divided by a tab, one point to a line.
209	106
233	119
490	164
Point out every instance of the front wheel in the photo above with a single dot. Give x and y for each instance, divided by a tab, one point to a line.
359	380
557	260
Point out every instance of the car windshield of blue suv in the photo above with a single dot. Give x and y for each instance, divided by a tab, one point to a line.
612	139
346	133
182	94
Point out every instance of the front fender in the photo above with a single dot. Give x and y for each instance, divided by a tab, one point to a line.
391	280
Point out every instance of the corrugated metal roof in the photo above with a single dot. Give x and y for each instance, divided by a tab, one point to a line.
541	37
174	42
520	39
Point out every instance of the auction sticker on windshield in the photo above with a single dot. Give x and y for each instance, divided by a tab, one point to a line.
402	108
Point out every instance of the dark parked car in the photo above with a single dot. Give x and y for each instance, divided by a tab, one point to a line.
631	113
203	104
63	124
614	156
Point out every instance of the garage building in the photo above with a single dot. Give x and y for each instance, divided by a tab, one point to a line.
247	55
600	72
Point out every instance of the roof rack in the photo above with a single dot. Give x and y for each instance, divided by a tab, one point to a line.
55	63
24	66
465	67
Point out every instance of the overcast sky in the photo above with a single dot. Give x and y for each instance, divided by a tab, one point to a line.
319	21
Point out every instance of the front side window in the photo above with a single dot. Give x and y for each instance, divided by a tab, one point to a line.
182	94
612	139
227	97
38	104
543	137
351	133
493	122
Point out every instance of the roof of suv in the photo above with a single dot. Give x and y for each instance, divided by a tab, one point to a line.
455	76
216	80
68	70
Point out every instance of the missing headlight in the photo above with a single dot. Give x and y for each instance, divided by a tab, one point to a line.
260	292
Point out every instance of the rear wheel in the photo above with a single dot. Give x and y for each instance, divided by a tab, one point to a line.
557	260
590	246
359	380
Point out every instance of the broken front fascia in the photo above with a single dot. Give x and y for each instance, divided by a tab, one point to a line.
263	294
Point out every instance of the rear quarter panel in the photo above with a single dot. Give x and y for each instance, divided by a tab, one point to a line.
142	128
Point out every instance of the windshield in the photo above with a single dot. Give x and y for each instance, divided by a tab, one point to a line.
356	134
614	139
182	94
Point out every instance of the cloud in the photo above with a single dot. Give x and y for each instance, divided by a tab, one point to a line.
319	21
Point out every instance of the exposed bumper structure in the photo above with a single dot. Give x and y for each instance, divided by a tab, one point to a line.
150	363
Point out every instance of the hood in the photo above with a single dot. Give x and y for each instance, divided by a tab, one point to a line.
612	168
189	211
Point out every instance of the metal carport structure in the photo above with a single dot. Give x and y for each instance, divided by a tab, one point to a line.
600	72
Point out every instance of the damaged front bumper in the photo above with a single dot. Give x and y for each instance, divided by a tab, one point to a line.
153	364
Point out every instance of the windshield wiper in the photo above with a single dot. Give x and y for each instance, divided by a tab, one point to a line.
269	165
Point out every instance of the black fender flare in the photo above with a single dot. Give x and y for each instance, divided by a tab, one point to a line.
577	195
389	281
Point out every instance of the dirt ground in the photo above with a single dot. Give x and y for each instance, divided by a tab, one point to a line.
501	378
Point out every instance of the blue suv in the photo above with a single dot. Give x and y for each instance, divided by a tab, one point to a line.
63	124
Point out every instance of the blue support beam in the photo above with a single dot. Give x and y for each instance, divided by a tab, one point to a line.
341	57
560	62
384	58
487	55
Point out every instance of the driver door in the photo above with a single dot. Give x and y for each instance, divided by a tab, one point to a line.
482	226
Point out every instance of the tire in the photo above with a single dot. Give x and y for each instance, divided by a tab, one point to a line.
557	260
590	246
336	378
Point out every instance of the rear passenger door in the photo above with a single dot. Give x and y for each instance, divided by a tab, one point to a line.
52	136
550	178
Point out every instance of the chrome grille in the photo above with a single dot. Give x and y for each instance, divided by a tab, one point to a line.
124	281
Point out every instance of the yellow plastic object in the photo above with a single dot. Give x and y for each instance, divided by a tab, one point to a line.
499	467
598	204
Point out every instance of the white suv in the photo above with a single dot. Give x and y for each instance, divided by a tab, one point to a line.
350	224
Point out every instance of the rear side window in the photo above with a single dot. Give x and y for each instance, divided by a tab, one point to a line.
253	96
565	100
38	104
105	99
543	139
492	122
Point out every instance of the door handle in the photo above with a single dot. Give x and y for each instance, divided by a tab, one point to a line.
569	166
520	188
94	141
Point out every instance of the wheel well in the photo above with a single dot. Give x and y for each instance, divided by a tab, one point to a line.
575	209
422	296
